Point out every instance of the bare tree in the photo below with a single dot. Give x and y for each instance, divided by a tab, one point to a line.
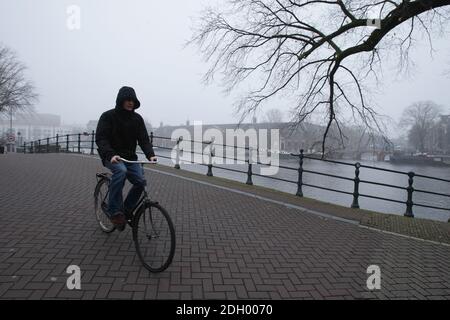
16	92
320	52
274	116
420	119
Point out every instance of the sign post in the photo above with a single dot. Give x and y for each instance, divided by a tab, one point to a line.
11	142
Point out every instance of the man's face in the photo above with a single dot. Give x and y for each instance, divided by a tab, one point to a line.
128	105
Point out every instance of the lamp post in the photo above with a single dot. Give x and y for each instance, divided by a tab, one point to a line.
19	139
11	138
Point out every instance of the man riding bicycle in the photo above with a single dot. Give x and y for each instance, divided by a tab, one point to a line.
117	132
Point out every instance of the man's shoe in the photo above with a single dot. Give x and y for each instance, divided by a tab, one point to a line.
119	221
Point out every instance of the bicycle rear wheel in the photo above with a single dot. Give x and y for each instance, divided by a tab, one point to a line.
154	237
100	206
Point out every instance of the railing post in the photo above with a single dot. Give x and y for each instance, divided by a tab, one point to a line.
57	143
355	204
92	142
24	147
410	190
250	168
48	145
79	143
151	137
300	175
249	175
209	173
67	143
32	147
39	146
177	157
211	155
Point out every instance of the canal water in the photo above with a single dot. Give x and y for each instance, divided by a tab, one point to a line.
339	184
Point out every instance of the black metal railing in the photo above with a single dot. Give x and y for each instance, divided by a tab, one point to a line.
85	143
73	143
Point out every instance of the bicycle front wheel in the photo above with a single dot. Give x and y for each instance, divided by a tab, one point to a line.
154	237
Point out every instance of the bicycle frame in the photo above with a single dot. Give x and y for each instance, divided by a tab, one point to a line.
142	200
141	220
144	197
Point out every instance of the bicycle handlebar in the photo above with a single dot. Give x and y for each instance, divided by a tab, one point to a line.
139	161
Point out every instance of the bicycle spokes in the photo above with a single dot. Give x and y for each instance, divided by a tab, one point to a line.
151	230
104	203
154	236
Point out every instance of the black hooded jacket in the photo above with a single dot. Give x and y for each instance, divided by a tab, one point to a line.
118	130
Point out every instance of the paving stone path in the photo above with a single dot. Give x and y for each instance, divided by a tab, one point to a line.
229	245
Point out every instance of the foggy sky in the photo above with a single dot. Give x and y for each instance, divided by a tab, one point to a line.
141	44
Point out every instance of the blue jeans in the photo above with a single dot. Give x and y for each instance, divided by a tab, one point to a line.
120	172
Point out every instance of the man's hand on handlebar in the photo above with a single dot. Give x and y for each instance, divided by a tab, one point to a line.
153	159
115	159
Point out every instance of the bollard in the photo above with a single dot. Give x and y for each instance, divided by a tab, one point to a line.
39	145
355	204
57	142
79	143
67	143
151	137
300	175
32	147
48	145
410	190
24	147
92	142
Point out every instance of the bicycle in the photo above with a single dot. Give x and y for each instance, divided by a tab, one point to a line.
145	219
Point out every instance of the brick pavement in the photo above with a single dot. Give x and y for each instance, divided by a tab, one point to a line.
229	245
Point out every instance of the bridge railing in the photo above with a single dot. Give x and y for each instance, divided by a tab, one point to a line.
75	143
85	143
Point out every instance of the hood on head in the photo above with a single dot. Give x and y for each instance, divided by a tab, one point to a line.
127	93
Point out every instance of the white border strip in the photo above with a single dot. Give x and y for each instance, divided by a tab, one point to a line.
404	235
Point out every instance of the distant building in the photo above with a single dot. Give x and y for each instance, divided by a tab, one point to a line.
34	126
444	133
92	125
292	138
